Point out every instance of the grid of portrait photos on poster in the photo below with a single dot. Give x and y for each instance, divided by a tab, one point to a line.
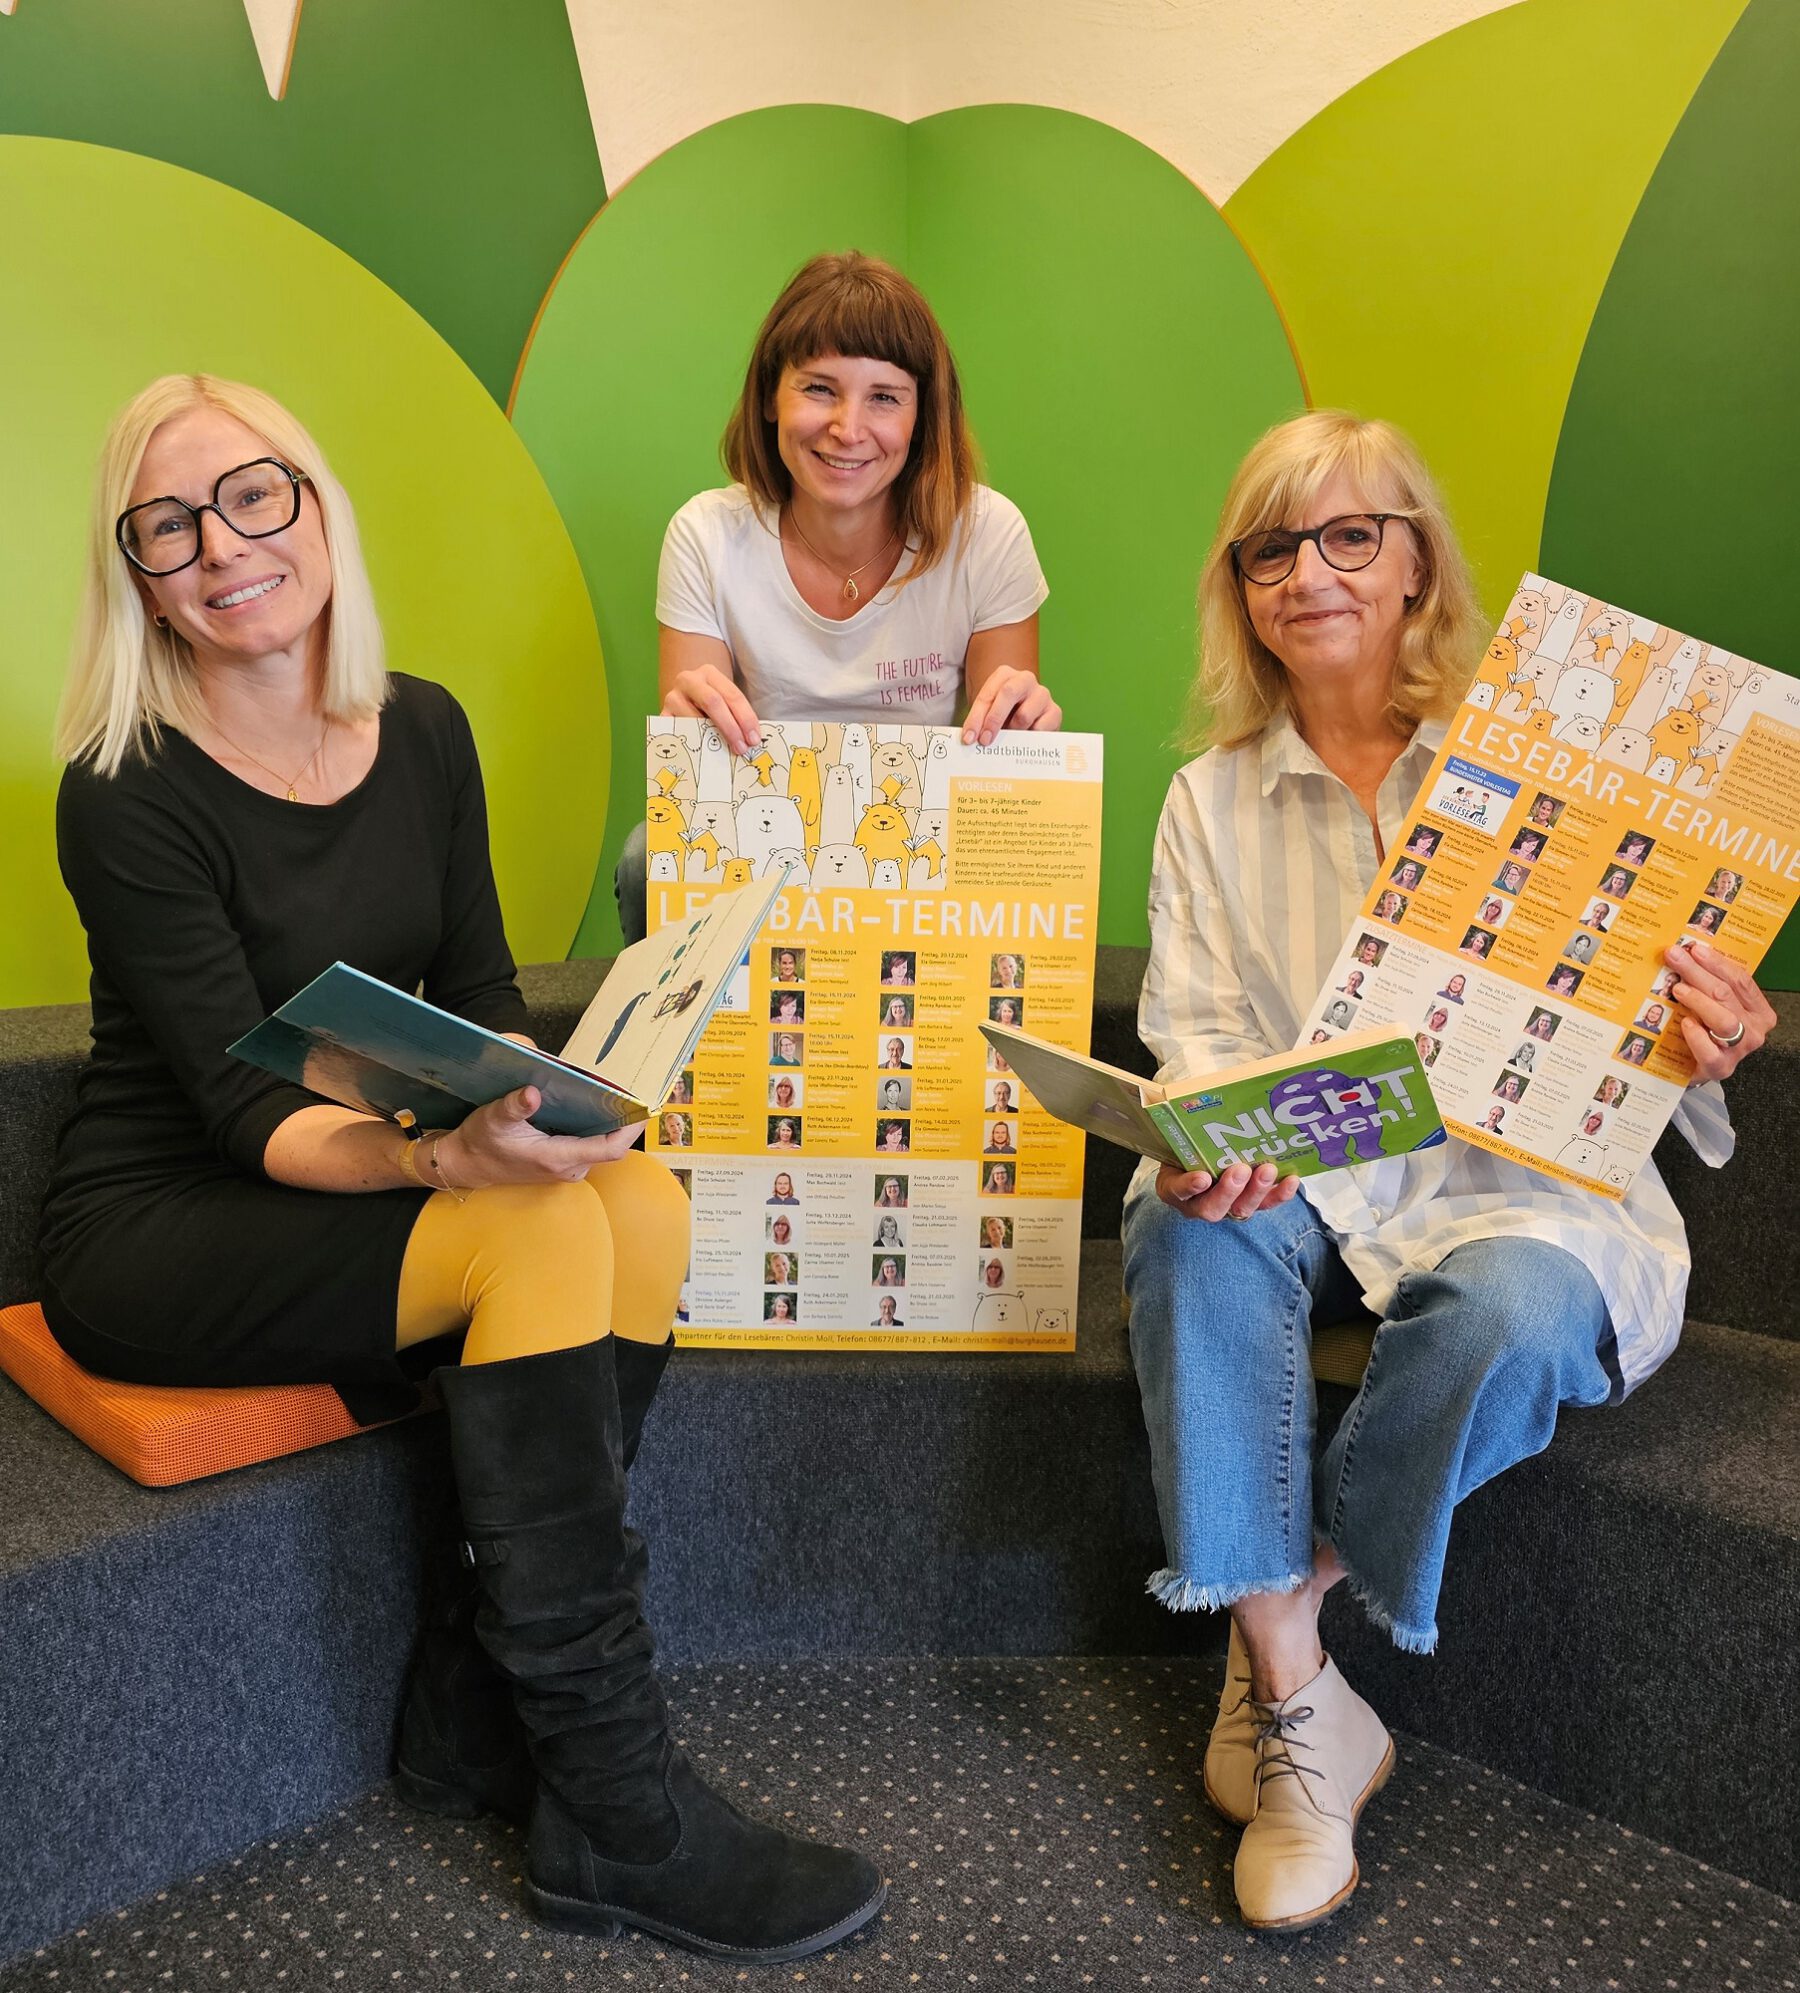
1000	1094
1655	1014
784	1129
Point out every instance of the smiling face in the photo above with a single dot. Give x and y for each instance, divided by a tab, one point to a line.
784	1184
242	600
1330	629
843	428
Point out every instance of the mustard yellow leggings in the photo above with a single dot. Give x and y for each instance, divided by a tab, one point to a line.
530	1268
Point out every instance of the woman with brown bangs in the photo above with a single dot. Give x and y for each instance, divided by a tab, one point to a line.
854	569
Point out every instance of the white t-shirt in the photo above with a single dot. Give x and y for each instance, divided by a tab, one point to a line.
899	658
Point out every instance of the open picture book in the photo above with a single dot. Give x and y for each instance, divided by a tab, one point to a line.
367	1045
1357	1099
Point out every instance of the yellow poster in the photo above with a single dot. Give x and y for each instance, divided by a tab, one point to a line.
865	1172
1609	787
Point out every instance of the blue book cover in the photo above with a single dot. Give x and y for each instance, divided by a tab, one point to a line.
359	1041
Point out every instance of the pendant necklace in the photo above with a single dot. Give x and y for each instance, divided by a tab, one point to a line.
292	785
851	592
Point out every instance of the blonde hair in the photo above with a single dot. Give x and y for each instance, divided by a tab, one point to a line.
1241	684
861	308
128	678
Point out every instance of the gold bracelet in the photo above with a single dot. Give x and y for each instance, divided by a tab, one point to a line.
436	1167
408	1161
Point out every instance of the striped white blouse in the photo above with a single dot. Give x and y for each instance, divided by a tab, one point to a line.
1263	859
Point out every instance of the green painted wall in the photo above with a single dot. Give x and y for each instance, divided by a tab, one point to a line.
476	580
1674	482
1439	236
445	144
1564	205
1119	354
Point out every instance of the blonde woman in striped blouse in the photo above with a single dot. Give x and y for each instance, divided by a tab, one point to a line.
1339	628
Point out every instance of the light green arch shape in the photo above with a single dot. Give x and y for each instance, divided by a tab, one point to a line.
116	268
1440	235
1118	350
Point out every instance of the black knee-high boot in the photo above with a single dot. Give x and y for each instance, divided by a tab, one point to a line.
624	1830
462	1747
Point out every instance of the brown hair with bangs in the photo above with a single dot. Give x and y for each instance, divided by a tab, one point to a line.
1241	684
858	307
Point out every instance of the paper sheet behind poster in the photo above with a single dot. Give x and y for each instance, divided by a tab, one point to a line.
1608	787
865	1171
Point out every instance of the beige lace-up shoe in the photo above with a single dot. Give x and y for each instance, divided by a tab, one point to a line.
1320	1754
1229	1774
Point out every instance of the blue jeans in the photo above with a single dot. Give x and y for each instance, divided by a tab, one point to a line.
1466	1376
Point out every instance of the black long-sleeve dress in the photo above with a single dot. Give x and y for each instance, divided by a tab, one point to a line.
170	1256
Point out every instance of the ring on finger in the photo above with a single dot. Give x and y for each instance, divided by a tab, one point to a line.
1725	1044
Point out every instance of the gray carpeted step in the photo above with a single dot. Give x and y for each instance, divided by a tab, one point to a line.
185	1672
1041	1825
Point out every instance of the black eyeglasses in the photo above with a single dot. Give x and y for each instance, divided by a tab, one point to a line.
1345	543
162	536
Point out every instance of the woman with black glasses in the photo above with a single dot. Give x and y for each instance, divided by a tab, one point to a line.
1338	631
249	796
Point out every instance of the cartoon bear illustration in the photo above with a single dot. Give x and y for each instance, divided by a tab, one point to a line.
1650	700
1582	730
738	872
766	824
670	766
1533	684
1582	689
935	783
1584	1157
758	774
998	1314
712	780
1675	738
663	867
1526	618
788	855
1603	639
882	833
837	810
705	860
806	791
1559	638
839	865
666	828
884	875
1494	675
1629	746
717	821
1633	663
1052	1322
895	775
854	755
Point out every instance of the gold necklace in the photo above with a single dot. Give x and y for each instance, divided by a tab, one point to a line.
851	591
292	786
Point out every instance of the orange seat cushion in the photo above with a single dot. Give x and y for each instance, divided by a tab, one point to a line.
162	1435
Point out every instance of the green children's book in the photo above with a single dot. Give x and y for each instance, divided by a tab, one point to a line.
1356	1098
